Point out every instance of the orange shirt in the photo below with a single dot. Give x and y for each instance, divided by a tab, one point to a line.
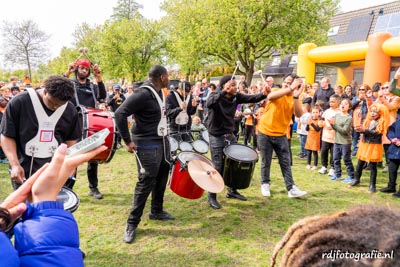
277	116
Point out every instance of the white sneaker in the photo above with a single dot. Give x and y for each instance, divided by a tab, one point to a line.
265	191
313	168
331	172
295	192
308	166
323	170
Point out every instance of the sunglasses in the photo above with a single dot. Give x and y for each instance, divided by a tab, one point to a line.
361	89
385	87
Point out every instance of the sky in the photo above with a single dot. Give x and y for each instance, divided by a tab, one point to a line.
59	19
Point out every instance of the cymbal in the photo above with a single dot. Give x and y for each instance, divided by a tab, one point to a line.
206	176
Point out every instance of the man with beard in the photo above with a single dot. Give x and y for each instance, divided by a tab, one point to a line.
88	94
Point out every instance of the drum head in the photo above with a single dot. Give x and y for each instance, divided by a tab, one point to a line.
200	146
185	146
182	118
69	198
206	176
174	145
186	157
204	135
241	153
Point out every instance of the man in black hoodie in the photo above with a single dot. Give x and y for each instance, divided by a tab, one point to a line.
222	105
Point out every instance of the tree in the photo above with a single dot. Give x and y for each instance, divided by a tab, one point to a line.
26	44
129	47
126	9
244	31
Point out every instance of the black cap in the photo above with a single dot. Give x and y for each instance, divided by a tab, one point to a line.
225	79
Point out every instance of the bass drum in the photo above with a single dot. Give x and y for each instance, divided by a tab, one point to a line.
68	198
239	164
94	120
181	182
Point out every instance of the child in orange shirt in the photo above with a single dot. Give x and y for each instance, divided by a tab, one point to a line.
370	147
313	144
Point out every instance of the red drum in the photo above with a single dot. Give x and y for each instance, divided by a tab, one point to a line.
94	120
181	182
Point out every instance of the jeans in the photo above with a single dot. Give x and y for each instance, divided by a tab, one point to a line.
326	148
303	139
217	145
280	145
393	167
153	181
338	151
356	138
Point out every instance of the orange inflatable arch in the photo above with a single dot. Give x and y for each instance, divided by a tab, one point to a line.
374	54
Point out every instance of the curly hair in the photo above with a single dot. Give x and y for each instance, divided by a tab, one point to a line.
360	229
60	87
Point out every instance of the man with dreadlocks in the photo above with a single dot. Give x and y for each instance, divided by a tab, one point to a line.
87	94
361	236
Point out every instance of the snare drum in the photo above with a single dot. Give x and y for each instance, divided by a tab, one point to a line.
69	198
239	164
204	136
94	120
181	182
200	146
185	146
174	145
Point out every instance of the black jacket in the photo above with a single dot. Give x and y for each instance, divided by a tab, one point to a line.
145	109
221	111
372	137
173	109
85	94
323	95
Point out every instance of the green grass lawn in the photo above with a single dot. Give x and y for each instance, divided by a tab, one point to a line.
239	234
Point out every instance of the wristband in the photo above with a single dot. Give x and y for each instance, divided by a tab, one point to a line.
296	97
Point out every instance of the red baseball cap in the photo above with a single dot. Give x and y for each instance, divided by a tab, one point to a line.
83	62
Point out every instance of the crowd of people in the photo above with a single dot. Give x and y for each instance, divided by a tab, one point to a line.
331	122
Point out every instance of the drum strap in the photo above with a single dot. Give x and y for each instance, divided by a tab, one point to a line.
44	143
162	125
183	117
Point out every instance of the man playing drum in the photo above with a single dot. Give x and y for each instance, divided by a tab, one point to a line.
87	94
150	141
220	123
35	123
180	106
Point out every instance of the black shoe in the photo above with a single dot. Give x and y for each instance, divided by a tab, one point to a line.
95	193
213	203
235	194
161	216
387	190
397	194
130	233
355	182
372	189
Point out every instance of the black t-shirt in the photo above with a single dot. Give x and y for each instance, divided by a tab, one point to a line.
20	123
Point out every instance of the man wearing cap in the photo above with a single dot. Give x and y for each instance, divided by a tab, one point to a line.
220	123
116	99
87	94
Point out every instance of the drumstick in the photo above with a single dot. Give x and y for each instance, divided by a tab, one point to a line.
237	66
261	74
142	170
